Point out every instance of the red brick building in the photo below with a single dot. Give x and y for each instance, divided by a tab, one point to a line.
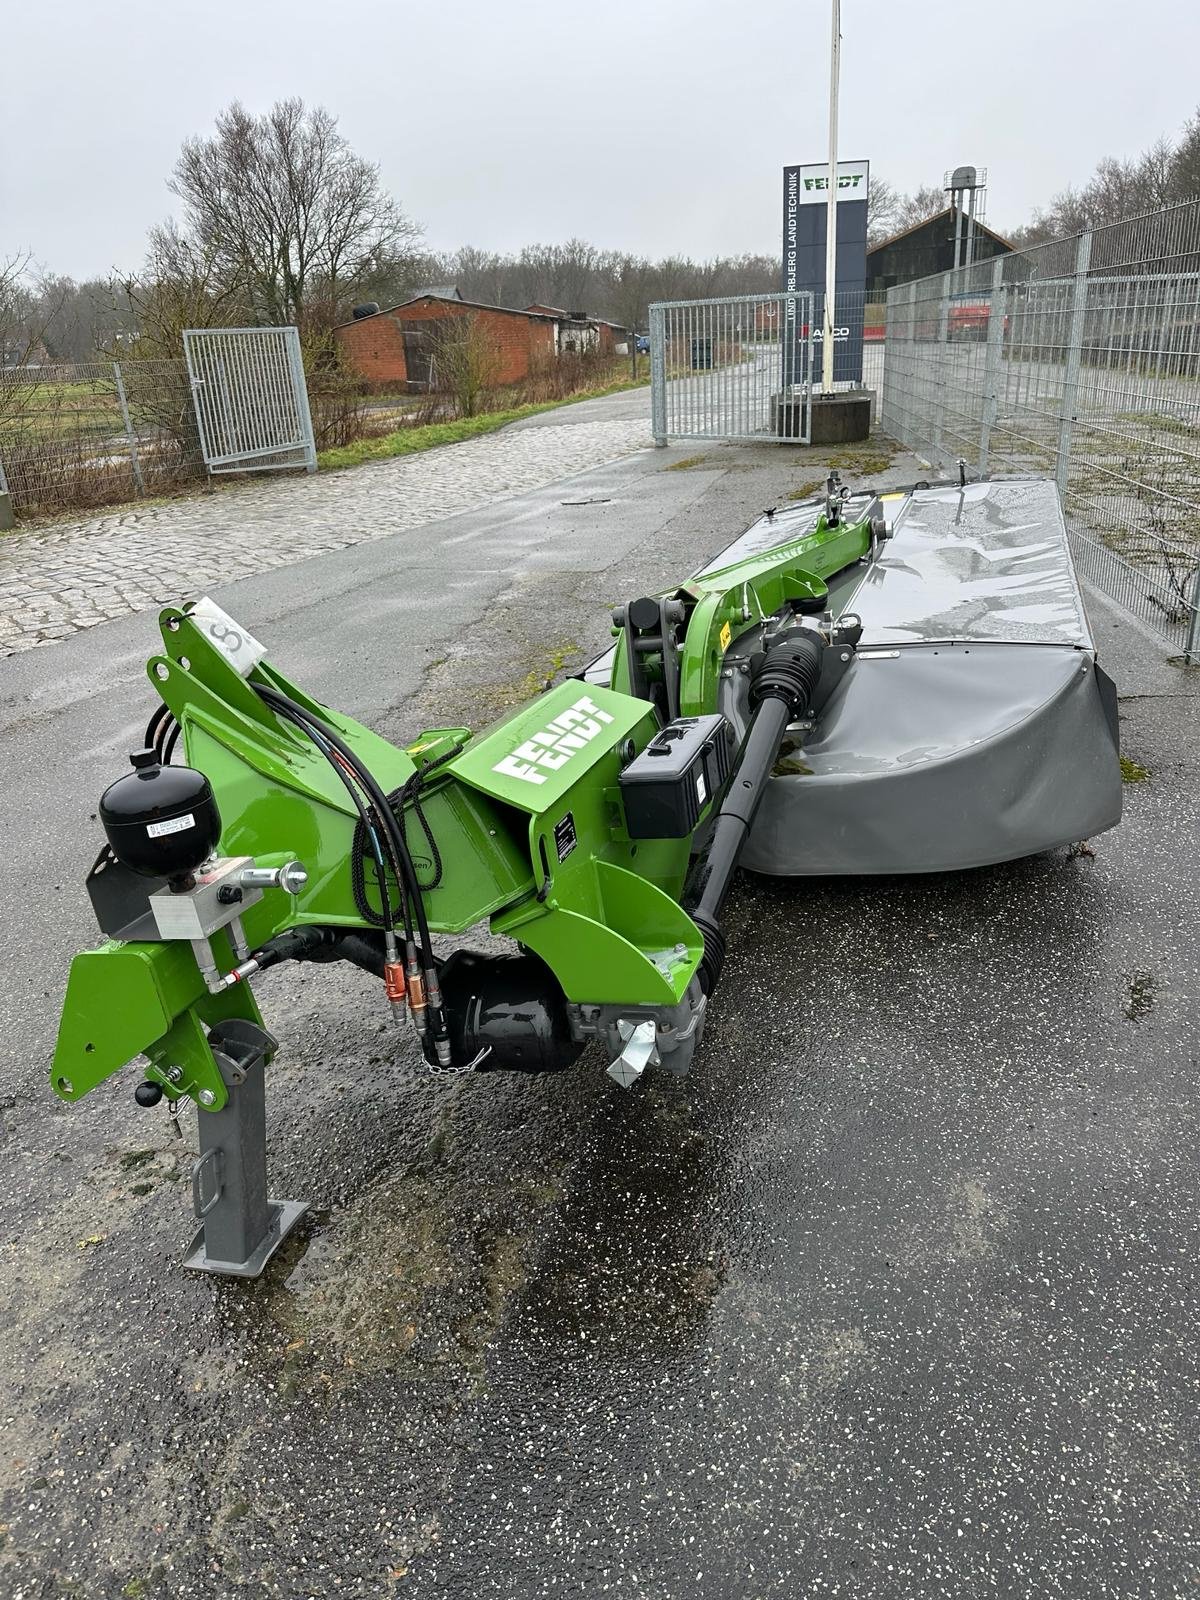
393	348
577	331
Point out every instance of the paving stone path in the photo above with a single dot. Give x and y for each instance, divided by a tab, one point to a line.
57	579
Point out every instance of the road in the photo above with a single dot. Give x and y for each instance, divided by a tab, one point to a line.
893	1297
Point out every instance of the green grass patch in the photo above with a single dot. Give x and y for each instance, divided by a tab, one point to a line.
1132	772
688	461
807	490
409	441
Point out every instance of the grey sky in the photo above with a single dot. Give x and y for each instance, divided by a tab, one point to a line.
653	125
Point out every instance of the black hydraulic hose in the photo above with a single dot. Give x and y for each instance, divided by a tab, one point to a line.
387	817
781	692
324	736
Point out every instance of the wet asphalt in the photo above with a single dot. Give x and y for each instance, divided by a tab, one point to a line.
894	1296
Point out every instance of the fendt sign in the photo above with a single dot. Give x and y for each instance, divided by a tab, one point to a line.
805	204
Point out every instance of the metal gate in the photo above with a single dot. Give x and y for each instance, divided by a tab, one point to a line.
251	403
738	368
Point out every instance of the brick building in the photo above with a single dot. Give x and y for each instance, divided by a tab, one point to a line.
577	331
394	348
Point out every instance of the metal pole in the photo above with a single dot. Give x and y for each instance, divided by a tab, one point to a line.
991	374
956	201
835	45
1191	650
943	340
1083	258
300	391
129	433
970	250
658	375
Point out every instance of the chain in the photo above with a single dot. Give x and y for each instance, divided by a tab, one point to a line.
438	1071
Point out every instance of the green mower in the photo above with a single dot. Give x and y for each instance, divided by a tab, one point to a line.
858	685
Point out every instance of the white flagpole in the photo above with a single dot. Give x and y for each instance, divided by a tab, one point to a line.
835	52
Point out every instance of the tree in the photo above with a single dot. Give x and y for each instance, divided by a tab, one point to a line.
286	212
883	202
181	285
926	202
466	361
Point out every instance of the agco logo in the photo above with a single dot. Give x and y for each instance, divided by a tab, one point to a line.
553	746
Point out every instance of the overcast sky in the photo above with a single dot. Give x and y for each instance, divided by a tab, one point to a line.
650	125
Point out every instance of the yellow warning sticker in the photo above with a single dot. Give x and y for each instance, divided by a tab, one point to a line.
725	635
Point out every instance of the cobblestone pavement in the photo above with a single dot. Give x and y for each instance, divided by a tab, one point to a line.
74	575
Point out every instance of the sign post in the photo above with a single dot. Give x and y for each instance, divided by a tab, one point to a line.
835	46
808	244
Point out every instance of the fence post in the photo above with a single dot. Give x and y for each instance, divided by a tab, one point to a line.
300	389
1083	256
943	341
658	375
1191	650
997	311
7	520
130	436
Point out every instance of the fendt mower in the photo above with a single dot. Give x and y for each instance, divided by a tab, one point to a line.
857	685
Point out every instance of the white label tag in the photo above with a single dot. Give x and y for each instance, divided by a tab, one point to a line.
234	641
701	791
176	825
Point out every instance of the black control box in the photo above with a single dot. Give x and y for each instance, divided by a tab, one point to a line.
666	788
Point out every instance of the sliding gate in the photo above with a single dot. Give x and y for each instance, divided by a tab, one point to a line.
250	398
737	369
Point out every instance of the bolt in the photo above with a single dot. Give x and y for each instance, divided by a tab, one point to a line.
206	1097
845	655
162	672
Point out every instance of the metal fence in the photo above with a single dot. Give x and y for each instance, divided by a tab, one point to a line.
250	398
92	433
1079	359
733	368
75	435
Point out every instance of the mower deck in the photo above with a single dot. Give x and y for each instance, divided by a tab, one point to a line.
976	725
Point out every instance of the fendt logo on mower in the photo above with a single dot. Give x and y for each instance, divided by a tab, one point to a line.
554	745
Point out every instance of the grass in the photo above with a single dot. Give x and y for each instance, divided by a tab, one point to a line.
688	461
408	441
1132	772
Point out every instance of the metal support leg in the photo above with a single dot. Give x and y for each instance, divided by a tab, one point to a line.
240	1228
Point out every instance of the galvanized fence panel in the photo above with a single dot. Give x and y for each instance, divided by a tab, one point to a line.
1078	359
250	397
735	368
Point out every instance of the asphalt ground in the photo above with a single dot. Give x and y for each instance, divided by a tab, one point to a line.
894	1296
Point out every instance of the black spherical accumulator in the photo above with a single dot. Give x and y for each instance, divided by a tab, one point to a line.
160	822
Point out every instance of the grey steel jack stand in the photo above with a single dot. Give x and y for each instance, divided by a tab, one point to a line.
240	1228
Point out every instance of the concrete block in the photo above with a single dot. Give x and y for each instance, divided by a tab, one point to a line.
843	418
7	520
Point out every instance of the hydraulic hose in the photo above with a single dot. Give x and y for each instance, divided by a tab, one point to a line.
780	693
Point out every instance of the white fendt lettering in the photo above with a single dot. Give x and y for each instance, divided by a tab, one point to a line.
553	746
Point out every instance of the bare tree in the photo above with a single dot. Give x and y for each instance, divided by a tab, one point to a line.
181	285
918	207
29	302
466	361
883	203
287	212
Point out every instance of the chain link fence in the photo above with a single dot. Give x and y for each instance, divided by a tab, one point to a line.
1078	359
